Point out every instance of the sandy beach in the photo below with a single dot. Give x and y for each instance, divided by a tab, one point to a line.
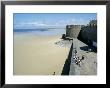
38	55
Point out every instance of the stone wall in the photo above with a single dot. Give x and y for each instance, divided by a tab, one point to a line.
72	31
88	33
83	33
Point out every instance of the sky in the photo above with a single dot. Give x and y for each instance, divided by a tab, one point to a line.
51	20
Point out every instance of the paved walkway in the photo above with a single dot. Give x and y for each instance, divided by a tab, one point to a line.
88	66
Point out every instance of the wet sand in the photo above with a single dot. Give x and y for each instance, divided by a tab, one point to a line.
38	55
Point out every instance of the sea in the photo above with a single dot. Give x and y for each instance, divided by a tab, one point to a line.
41	31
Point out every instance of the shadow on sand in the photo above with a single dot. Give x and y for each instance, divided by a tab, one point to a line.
66	67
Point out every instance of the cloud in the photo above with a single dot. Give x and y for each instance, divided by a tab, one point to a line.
71	22
34	25
29	25
58	24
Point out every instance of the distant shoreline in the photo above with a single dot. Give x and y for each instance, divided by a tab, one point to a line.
37	29
41	31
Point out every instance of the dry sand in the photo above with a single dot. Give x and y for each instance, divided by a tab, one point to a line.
38	55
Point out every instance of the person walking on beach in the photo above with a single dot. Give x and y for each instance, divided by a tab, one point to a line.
54	73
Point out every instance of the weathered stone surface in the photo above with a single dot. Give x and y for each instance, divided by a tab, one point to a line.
89	33
72	31
88	66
